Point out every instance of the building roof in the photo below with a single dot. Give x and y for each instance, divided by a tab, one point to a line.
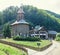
40	28
52	32
22	21
37	28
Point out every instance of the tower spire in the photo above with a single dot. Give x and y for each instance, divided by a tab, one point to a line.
20	13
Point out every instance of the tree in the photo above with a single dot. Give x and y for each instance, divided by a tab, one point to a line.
33	15
41	17
1	18
10	14
7	31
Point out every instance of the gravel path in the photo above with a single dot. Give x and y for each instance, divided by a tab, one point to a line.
52	50
55	51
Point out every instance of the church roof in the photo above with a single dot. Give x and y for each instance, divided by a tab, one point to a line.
20	22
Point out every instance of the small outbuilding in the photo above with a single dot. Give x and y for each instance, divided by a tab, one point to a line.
52	34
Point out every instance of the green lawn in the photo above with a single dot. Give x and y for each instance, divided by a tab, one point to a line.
2	52
31	43
10	50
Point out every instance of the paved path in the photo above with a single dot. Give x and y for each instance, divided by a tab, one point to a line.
52	50
56	51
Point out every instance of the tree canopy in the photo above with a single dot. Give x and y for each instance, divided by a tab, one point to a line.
33	15
7	31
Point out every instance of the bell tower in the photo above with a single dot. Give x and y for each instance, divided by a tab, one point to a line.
20	14
20	26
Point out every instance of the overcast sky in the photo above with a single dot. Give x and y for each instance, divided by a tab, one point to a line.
52	5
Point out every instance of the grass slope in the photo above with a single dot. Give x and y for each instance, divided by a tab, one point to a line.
2	53
31	43
10	50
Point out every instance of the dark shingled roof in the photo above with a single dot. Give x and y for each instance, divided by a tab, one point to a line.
20	22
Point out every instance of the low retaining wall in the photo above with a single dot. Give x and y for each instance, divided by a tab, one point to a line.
37	49
14	45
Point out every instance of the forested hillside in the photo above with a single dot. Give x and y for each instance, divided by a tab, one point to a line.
56	15
33	15
52	13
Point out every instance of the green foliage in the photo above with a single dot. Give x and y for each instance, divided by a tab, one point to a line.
21	38
1	18
52	13
2	53
41	17
7	31
10	13
32	15
10	50
58	37
43	43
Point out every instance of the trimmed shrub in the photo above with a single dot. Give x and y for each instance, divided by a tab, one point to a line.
26	38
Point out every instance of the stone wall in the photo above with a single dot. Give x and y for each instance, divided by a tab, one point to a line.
20	29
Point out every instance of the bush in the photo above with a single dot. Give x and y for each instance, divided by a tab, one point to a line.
26	38
58	37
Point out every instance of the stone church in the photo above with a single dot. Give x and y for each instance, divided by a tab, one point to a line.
20	26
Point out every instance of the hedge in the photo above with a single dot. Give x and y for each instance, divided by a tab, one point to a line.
26	38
